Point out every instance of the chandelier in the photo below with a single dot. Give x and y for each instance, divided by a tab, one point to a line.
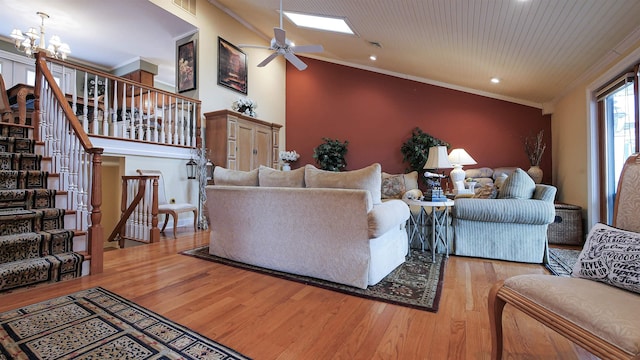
29	44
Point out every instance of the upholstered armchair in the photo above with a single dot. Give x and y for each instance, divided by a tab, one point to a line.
597	307
511	227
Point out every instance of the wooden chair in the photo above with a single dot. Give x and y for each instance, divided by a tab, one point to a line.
602	319
164	207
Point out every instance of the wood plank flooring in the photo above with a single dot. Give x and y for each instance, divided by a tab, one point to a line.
269	318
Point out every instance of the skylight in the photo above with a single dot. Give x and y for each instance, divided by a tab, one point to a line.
319	22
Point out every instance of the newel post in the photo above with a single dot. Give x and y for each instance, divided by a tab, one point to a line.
96	231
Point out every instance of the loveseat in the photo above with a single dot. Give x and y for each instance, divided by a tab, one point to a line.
310	222
512	226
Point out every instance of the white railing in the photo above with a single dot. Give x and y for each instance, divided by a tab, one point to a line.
114	107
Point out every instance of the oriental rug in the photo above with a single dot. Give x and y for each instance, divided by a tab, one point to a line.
417	283
561	261
98	324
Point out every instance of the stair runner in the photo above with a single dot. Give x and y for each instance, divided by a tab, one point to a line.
34	245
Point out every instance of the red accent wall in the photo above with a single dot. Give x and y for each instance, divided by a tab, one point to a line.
376	114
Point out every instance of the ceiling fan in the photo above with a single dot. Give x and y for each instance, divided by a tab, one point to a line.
282	46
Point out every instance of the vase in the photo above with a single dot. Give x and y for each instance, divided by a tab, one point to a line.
286	167
536	173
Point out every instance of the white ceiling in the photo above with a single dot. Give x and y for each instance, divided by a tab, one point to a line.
539	48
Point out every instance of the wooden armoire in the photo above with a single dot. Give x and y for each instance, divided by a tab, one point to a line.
240	142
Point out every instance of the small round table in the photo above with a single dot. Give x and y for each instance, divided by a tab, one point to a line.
418	224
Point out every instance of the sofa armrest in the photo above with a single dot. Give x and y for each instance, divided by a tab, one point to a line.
545	192
533	212
387	215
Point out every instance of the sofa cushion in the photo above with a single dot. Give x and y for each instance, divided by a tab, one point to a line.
222	176
518	185
505	170
368	178
483	172
386	216
611	256
276	178
395	185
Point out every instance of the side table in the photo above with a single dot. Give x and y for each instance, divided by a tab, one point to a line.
418	224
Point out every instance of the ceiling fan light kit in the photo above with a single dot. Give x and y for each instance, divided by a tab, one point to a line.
280	45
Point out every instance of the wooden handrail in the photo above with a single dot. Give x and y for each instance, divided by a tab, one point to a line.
95	233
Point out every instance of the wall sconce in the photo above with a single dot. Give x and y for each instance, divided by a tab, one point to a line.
192	166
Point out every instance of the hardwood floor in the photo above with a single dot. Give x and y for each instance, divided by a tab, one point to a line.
265	317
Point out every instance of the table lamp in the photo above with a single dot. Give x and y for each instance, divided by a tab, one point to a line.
458	158
438	159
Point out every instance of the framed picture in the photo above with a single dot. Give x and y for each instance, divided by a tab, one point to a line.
187	66
232	67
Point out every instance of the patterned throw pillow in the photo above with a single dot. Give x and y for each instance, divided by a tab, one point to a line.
611	256
393	187
518	185
486	192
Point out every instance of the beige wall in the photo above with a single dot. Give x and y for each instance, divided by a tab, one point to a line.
266	84
574	166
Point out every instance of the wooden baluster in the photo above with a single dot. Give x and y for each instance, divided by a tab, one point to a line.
94	124
164	122
85	108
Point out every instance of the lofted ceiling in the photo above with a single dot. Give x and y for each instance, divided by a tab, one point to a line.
538	48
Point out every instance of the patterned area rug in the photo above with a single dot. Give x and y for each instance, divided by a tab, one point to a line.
561	261
417	283
97	324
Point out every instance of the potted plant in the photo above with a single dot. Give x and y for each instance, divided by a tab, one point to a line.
415	150
330	154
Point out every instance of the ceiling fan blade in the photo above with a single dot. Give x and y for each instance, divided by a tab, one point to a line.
295	61
253	46
280	35
307	48
268	59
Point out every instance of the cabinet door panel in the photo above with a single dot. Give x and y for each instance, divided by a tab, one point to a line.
244	152
262	146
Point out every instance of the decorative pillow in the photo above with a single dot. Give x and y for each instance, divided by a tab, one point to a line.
518	185
500	180
276	178
395	185
222	176
368	178
486	192
611	256
483	172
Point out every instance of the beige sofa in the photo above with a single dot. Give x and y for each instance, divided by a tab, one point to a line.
310	222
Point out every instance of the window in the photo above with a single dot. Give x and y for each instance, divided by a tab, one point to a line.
618	136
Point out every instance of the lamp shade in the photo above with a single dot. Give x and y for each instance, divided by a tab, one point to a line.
461	157
438	158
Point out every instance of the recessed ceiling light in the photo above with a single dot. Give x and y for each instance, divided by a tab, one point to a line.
373	58
319	22
495	80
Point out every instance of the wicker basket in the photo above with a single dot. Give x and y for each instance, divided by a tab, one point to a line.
567	227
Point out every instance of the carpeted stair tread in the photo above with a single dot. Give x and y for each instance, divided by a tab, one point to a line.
24	246
23	179
26	199
17	145
50	268
34	245
17	161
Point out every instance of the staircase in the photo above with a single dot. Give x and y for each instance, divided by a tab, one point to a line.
35	246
